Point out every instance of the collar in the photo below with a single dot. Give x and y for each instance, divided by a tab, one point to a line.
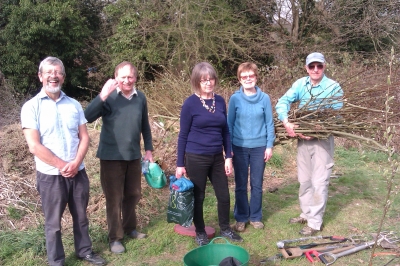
42	94
134	92
308	81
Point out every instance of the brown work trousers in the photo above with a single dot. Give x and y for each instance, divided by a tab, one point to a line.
121	183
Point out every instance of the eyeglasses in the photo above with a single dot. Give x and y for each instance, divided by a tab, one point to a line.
245	77
204	81
55	73
312	67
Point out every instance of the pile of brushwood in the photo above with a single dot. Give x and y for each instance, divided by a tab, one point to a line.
356	120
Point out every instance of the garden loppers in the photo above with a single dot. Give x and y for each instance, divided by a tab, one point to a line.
329	258
309	255
296	252
282	243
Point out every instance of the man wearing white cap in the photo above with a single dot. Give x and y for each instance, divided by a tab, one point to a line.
314	156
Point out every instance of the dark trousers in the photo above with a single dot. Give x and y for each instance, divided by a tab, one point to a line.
198	168
56	192
121	183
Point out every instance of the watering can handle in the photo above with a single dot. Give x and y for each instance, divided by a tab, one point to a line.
215	238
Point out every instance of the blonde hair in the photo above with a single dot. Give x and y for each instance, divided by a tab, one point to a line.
245	67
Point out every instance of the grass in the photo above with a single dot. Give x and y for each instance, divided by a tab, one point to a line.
276	160
355	207
15	213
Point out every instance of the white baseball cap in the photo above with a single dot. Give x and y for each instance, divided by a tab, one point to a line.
315	57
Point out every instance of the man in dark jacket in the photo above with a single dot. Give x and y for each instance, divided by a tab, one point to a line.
125	119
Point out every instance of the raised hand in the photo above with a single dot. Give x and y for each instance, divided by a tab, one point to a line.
108	88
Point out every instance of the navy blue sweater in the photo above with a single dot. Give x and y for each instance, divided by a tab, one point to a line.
202	132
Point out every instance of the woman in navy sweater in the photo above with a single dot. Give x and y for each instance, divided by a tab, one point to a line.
252	132
203	139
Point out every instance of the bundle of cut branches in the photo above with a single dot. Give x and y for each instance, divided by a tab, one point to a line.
351	122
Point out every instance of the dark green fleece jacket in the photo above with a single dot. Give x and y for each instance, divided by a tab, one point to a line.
124	121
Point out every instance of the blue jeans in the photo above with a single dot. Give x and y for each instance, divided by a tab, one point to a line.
242	159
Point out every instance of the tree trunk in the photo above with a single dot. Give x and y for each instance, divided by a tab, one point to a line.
295	22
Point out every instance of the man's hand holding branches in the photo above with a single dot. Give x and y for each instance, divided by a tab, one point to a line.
290	129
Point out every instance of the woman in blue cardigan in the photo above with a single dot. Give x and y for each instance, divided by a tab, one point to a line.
252	133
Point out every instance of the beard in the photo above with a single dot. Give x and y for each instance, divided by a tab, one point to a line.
50	89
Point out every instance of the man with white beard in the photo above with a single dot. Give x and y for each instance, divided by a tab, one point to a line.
54	126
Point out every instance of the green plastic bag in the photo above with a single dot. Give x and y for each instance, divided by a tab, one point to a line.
180	207
155	176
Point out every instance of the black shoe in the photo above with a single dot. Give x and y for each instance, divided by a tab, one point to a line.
94	259
202	239
228	233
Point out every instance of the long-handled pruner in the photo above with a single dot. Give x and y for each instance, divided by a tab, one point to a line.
296	252
329	258
299	251
282	243
313	255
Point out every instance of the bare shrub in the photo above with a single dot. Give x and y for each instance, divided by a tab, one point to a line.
14	151
10	103
17	177
166	95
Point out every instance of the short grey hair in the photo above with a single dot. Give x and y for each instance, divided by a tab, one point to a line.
202	70
51	60
122	65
